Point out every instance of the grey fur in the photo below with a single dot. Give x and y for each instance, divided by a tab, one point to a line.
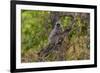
55	33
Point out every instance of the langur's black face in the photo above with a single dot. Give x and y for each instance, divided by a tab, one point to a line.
58	25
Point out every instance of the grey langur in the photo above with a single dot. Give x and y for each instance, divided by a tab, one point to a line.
53	39
55	33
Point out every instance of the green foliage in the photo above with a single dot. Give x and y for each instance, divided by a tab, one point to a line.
33	32
65	21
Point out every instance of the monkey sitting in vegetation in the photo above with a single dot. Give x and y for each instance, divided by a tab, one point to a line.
55	33
54	38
